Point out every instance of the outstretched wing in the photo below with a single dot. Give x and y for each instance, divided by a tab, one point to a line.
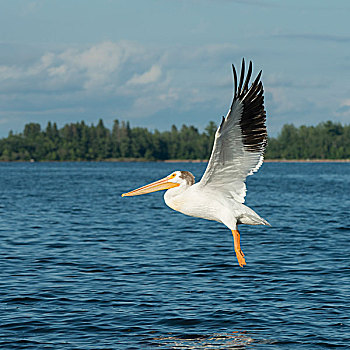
240	140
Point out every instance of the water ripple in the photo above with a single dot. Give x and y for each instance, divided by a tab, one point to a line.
83	268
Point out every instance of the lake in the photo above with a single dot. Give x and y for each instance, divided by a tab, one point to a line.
83	268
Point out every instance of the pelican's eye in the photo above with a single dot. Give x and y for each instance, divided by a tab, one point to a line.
172	175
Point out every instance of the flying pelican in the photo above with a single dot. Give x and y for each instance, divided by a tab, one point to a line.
238	150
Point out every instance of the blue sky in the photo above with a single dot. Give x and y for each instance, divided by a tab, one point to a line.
158	63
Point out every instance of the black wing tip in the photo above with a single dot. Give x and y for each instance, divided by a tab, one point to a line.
222	123
258	77
234	81
241	78
253	118
242	88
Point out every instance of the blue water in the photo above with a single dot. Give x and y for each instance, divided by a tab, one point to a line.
83	268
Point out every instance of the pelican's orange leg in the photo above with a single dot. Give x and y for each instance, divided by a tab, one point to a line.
237	244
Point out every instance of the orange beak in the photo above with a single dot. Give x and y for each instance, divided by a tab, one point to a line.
163	184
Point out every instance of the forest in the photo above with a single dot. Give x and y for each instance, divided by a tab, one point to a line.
82	142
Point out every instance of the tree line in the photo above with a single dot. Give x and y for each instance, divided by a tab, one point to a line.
79	141
326	140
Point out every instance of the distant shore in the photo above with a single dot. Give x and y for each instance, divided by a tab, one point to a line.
129	160
206	161
269	161
307	160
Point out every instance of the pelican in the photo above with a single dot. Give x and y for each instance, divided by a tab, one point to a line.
238	149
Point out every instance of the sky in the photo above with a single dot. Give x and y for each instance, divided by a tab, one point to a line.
157	63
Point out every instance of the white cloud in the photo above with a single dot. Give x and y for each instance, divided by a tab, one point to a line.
171	95
9	72
127	80
281	100
151	76
30	7
345	103
92	68
77	83
343	112
120	80
98	65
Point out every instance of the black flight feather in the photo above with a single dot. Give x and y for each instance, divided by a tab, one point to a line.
253	118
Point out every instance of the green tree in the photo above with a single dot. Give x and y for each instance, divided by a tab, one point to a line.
79	141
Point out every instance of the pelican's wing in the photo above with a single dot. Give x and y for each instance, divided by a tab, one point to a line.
240	140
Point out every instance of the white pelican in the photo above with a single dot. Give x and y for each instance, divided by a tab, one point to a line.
238	150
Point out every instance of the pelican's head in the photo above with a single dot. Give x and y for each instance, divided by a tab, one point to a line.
178	178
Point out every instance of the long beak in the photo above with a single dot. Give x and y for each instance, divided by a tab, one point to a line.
159	185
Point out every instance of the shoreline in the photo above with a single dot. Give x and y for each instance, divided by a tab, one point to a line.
140	160
307	161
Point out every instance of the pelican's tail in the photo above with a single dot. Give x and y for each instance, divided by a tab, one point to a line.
264	222
252	218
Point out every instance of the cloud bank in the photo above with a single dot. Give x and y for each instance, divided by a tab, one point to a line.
151	87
